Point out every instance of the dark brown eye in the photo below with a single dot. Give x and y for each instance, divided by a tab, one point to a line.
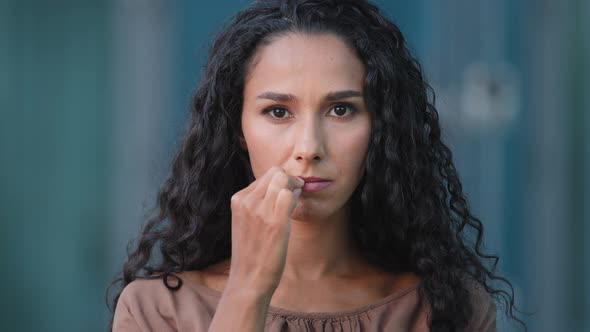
277	113
340	110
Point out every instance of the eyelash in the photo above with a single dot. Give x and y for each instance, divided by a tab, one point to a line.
268	111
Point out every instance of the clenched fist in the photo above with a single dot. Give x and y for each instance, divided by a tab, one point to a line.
260	231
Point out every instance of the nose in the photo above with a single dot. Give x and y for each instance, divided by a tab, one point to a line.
309	141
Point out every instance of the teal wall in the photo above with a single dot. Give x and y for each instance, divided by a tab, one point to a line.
54	133
578	72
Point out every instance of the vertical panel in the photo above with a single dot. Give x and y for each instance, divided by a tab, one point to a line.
515	157
584	27
578	87
54	165
195	27
142	86
548	195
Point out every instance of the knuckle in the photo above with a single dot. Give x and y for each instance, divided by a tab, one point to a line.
284	195
277	169
235	199
277	228
281	179
244	203
260	214
248	204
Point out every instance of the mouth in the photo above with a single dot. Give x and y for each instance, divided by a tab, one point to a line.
313	184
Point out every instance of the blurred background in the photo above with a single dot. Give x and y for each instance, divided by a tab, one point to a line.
94	96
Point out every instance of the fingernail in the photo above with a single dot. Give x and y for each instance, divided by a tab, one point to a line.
301	181
296	192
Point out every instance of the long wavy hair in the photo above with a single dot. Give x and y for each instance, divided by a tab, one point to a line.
409	211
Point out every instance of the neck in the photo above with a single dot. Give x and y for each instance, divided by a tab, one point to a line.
320	248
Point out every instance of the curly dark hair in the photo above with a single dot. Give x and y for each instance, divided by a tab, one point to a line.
410	200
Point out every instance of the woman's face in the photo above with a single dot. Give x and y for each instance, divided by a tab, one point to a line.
304	111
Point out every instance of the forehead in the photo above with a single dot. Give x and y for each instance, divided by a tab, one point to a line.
297	58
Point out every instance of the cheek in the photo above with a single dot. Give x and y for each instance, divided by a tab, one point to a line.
264	146
352	148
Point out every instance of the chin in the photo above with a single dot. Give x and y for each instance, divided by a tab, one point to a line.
301	213
310	212
304	212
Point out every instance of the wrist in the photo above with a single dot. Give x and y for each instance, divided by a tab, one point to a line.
247	294
251	288
245	303
247	308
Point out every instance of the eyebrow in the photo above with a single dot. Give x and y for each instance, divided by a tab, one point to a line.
331	96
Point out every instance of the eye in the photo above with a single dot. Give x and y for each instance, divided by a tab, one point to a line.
277	113
341	109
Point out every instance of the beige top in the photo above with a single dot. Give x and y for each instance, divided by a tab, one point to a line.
147	305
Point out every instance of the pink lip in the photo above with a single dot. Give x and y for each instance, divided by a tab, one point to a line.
316	185
312	179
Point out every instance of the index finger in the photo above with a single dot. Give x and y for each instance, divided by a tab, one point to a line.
269	180
261	182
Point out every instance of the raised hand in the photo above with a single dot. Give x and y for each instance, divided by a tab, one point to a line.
260	231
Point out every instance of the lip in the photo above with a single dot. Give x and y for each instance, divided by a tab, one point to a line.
315	186
312	179
313	183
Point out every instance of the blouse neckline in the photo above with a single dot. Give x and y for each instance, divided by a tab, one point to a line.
398	294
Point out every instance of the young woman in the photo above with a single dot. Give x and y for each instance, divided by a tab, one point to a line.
311	192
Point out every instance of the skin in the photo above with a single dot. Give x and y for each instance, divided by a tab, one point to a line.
312	137
292	249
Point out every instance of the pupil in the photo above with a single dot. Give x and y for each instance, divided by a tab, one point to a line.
279	112
340	110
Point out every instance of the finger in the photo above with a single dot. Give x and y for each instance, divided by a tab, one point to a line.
252	187
284	180
296	182
251	197
286	203
239	196
296	194
280	181
264	181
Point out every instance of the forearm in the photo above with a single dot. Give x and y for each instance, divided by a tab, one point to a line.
240	311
